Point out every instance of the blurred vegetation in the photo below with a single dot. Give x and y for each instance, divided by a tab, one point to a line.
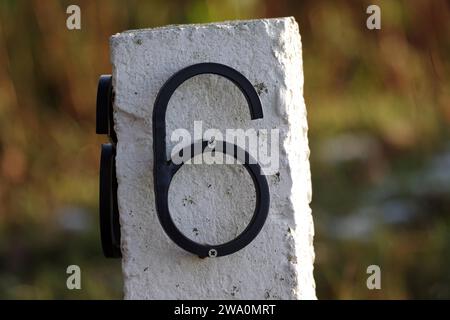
378	107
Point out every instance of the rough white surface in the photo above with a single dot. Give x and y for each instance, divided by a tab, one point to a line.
213	203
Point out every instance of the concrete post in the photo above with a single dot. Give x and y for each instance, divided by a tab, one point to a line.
213	203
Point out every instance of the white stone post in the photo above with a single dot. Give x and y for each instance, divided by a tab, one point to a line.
213	203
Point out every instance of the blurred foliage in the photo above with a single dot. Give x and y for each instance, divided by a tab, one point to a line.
378	107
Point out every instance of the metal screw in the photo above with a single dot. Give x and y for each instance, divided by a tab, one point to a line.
212	253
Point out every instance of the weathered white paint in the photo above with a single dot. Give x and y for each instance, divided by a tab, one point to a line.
213	203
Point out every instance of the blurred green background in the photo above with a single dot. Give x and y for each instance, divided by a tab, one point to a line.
378	108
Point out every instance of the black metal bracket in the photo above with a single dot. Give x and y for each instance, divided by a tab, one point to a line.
164	169
109	213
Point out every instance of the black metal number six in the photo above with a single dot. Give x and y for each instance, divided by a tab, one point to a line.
109	212
164	169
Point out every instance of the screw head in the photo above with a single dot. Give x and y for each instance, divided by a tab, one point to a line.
212	253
